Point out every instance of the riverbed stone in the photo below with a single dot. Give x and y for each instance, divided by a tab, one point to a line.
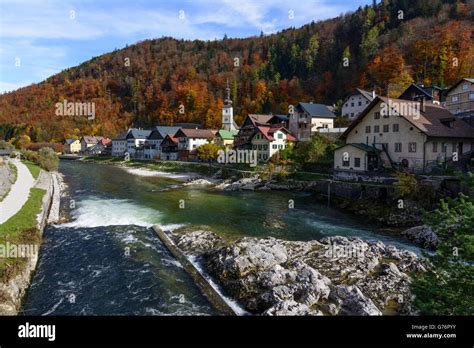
423	236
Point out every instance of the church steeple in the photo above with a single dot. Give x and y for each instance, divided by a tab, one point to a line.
228	111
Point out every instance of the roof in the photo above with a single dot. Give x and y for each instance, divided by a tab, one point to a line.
269	131
317	110
136	133
429	122
122	136
421	89
282	118
91	139
361	146
70	141
170	138
165	130
195	133
259	118
226	134
468	79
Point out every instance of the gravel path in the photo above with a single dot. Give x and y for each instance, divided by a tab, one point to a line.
18	194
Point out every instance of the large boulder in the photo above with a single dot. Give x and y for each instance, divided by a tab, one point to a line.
423	236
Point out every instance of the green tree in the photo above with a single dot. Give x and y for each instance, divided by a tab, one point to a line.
208	152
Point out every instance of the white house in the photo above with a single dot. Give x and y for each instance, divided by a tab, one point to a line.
268	140
356	102
395	133
308	118
152	146
119	144
136	140
190	139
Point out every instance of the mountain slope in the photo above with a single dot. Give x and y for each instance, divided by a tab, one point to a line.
167	80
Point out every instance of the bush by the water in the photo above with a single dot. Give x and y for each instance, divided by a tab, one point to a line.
46	158
448	287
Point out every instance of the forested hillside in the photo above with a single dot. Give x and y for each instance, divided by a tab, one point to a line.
387	47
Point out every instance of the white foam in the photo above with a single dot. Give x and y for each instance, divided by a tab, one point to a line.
95	212
148	172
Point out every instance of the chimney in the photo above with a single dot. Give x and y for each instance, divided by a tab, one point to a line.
373	94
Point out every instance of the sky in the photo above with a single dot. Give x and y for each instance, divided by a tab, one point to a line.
39	38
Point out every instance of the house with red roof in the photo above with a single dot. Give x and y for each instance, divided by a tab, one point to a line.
269	139
169	148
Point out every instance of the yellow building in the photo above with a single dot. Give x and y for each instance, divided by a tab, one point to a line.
72	146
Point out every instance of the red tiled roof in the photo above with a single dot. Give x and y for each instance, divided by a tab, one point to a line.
196	133
269	131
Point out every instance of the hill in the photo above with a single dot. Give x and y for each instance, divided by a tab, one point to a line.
383	47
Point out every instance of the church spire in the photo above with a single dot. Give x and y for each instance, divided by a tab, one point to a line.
227	100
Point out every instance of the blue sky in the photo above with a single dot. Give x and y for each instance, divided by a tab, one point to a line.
39	38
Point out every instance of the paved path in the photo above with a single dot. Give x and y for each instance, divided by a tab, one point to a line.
18	194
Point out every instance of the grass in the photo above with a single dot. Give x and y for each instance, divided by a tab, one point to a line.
22	229
33	168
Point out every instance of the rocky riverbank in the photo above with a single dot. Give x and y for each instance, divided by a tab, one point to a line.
333	276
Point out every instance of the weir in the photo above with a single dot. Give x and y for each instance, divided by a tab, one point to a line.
212	295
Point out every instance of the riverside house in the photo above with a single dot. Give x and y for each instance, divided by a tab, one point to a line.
152	146
395	133
270	139
119	144
460	100
72	146
226	138
136	140
89	141
169	148
308	118
190	139
430	94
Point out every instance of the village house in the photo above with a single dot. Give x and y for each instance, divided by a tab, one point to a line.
89	141
103	147
430	94
136	140
394	134
72	146
308	118
119	144
152	146
190	139
270	139
249	128
460	100
169	148
356	102
226	138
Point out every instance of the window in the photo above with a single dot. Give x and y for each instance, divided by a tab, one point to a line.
357	162
377	115
465	87
455	147
274	146
352	114
366	102
346	105
395	127
471	96
367	129
444	147
435	146
411	147
265	147
376	129
398	147
345	163
360	103
454	98
385	128
352	104
280	135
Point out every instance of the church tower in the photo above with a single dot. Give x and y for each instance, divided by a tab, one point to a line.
228	111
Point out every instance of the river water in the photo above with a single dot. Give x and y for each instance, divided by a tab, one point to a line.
108	261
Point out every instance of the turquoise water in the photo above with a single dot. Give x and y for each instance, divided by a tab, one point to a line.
86	260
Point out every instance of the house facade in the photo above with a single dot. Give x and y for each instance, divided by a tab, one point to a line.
356	102
72	146
430	94
395	133
89	141
226	138
152	146
460	100
243	138
269	140
136	139
190	139
308	118
169	148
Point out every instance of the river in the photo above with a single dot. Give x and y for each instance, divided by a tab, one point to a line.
107	260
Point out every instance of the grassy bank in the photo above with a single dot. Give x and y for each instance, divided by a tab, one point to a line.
33	168
21	228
